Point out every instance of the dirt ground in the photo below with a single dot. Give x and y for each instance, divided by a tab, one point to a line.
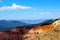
52	34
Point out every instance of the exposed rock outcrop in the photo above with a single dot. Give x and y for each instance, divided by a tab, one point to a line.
43	32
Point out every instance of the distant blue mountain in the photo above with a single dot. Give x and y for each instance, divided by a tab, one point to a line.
43	22
7	25
33	21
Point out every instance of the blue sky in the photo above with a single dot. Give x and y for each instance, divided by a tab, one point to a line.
29	9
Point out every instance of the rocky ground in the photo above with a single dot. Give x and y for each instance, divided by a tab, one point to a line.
52	34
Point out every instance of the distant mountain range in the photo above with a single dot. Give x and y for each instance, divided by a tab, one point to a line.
33	21
9	24
43	22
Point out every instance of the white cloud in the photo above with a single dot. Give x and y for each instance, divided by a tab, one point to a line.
45	13
14	6
42	13
0	1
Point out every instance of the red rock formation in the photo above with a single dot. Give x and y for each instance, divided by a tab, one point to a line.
21	32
